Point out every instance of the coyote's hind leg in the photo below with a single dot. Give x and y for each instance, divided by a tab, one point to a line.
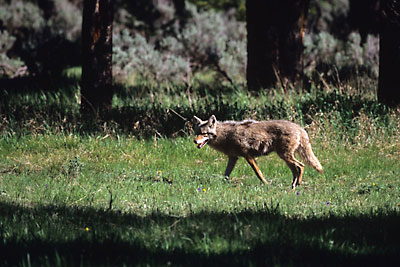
295	166
253	164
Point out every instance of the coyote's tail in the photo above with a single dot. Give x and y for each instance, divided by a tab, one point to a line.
307	154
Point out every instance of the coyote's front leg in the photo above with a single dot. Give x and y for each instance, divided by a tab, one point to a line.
231	164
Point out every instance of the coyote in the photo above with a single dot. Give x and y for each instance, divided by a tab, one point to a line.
251	139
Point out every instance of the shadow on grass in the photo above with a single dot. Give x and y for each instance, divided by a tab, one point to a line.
46	235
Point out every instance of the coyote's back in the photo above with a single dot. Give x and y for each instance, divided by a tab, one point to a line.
251	139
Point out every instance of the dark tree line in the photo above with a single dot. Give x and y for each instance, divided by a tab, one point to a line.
275	33
275	46
275	42
96	85
389	53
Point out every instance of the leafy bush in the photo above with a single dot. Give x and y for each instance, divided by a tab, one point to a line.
38	36
329	16
216	39
341	61
239	6
8	66
136	55
208	39
17	14
66	19
19	22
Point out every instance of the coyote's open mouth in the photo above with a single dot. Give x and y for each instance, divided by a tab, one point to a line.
202	144
201	141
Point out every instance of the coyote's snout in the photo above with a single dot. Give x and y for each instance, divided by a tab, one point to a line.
251	139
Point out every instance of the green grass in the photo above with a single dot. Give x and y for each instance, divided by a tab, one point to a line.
147	109
71	199
107	190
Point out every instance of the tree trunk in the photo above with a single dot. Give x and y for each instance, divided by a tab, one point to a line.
96	86
275	34
389	53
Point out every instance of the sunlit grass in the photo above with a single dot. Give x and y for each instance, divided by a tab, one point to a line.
166	196
71	197
163	176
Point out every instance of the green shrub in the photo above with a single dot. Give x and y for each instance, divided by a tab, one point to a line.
209	39
8	66
38	36
342	62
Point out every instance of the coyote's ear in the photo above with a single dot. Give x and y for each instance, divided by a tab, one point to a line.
212	120
197	120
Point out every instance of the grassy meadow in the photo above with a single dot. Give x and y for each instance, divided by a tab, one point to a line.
111	196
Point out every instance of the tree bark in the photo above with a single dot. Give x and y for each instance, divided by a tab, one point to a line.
389	53
275	35
96	85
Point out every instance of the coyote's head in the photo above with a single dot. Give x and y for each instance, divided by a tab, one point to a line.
205	130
